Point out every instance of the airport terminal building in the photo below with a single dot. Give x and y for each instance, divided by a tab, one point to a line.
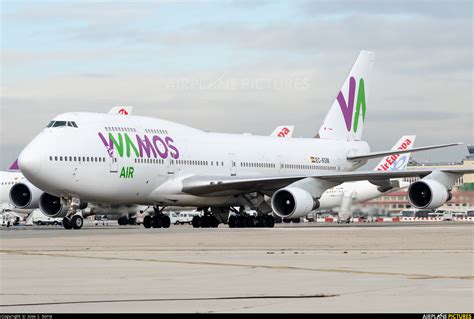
463	191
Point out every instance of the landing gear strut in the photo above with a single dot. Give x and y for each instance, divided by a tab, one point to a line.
73	220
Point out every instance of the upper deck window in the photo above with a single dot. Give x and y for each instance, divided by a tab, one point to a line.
59	123
62	124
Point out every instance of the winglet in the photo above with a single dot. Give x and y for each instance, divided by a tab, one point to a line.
283	131
121	110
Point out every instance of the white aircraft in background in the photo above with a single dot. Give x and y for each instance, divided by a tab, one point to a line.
350	193
8	180
283	131
113	159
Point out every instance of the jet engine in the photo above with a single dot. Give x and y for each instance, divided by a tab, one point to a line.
25	195
293	202
51	206
428	194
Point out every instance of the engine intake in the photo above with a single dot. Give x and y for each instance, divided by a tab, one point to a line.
428	194
51	206
25	195
293	202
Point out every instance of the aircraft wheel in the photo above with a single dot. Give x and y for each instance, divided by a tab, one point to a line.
166	221
147	221
232	221
157	221
261	221
196	222
205	223
122	221
77	222
269	221
67	223
240	222
214	222
252	221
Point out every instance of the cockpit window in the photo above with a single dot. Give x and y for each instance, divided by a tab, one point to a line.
62	123
59	123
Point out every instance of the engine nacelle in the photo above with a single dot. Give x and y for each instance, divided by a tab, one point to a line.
51	206
428	194
293	202
25	195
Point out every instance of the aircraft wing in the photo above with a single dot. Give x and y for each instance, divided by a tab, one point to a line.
234	185
357	157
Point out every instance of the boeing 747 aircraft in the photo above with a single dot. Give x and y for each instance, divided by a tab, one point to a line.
106	158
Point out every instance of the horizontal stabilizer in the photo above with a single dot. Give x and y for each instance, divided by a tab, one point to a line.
385	153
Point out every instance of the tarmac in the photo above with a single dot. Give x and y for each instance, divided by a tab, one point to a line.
426	268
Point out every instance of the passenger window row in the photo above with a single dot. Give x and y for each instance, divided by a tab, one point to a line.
119	129
156	131
76	159
149	160
254	164
309	167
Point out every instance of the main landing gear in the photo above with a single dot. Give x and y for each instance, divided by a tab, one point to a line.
125	220
158	220
207	220
244	220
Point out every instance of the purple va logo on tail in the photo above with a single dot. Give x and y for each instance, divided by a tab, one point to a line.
347	107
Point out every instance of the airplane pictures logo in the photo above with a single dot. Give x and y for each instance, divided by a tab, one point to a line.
347	106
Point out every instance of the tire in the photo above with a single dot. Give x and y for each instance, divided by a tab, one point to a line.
39	223
205	222
166	221
157	221
240	221
147	221
261	221
77	222
269	221
122	221
214	222
251	221
67	223
55	223
232	220
196	222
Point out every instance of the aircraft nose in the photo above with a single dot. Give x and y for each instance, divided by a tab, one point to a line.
29	161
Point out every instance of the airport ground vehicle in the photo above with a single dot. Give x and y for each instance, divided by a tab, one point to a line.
185	218
38	218
407	213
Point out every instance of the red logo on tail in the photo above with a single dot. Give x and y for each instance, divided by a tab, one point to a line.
123	112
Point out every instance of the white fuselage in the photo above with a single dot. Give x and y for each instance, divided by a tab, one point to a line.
151	172
358	192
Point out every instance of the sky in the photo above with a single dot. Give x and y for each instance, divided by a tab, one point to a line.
240	66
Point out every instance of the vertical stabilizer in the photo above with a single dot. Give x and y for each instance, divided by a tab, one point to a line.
345	120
